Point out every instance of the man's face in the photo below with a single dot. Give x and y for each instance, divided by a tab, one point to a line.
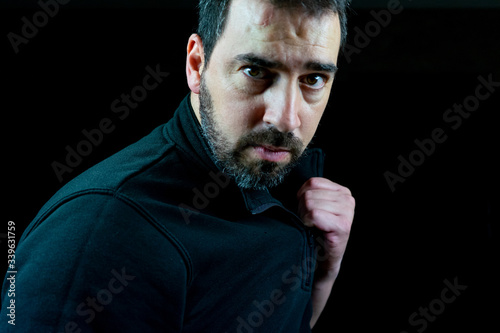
265	89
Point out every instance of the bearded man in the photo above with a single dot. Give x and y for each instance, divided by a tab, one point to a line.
219	220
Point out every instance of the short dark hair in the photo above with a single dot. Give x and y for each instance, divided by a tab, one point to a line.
213	17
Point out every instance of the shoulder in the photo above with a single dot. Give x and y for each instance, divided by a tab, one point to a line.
113	193
113	173
98	244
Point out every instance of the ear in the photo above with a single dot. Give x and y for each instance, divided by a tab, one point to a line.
194	62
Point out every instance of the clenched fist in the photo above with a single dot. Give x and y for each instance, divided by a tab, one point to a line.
329	207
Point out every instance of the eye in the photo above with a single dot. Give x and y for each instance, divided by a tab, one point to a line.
315	81
255	72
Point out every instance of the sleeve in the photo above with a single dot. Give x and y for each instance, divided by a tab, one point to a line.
97	264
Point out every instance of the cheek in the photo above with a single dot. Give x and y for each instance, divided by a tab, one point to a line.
309	123
240	116
237	112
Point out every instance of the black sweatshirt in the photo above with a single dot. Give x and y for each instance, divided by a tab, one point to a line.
157	239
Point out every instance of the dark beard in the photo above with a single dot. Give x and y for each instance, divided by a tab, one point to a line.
259	174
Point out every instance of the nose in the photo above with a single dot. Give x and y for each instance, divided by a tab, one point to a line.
283	105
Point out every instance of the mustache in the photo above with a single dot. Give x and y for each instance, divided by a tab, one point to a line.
271	137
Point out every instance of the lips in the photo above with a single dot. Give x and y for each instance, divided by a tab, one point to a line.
271	153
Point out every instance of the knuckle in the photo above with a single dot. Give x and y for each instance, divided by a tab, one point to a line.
309	204
350	199
313	214
345	190
314	182
308	195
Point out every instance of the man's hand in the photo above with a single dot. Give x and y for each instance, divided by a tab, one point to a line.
328	207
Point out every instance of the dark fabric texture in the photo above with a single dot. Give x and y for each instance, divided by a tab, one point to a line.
157	239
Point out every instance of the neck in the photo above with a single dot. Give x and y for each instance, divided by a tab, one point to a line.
195	103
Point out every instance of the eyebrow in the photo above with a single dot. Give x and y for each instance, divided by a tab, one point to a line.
320	67
257	60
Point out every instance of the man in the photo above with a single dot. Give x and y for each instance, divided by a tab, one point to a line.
219	220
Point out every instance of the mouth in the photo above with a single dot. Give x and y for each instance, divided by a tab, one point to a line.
271	153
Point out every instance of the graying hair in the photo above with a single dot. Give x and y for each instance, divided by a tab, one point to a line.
213	17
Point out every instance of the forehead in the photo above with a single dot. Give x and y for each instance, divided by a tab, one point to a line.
283	34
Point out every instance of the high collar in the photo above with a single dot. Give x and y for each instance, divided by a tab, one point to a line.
185	130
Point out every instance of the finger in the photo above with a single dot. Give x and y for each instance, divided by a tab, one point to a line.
321	183
327	222
338	208
334	196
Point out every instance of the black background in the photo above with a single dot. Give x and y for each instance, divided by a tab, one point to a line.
441	223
